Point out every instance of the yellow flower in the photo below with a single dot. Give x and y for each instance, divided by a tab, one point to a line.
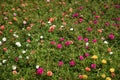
103	75
94	57
85	76
108	78
112	70
104	61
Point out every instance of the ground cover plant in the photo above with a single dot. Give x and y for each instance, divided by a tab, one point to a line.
59	39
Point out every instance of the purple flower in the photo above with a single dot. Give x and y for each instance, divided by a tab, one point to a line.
40	71
86	54
59	46
111	36
60	63
85	39
81	57
94	40
80	38
72	63
75	15
93	66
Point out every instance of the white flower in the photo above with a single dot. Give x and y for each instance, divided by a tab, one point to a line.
0	64
4	61
27	57
0	43
14	67
71	29
23	51
87	43
49	22
105	42
62	26
14	14
16	36
29	34
111	53
24	22
48	0
18	44
4	39
41	37
37	66
20	56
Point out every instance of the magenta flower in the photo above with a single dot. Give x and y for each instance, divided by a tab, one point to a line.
85	39
93	66
81	57
86	54
72	63
53	42
75	15
89	29
80	38
60	63
94	40
40	71
111	36
59	46
95	21
67	43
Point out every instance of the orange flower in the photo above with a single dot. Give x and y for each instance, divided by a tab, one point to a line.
28	28
87	69
70	10
51	20
49	73
100	30
51	29
2	27
15	19
109	50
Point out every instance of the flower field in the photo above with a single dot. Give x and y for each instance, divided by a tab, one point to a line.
59	40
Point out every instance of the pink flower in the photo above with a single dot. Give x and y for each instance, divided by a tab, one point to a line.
93	66
53	42
16	59
87	47
85	39
61	39
75	15
79	38
81	57
60	63
40	71
86	54
81	8
107	24
94	40
111	36
89	29
67	43
28	40
97	17
94	13
59	46
81	20
72	63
